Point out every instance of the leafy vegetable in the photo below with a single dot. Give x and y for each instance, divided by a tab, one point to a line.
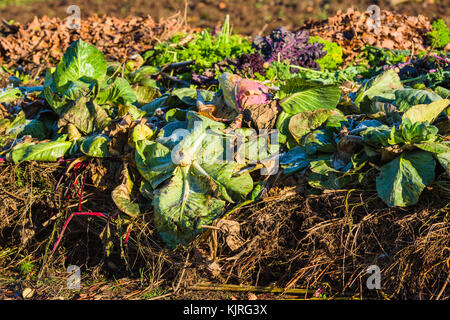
402	180
406	98
299	95
285	46
381	86
440	34
184	175
96	146
333	58
204	48
44	151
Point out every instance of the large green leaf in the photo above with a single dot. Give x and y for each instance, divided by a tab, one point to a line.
154	162
426	112
56	101
433	147
302	123
233	189
96	146
189	177
8	96
381	86
119	91
21	127
184	204
406	98
402	180
300	95
34	128
44	151
81	60
77	89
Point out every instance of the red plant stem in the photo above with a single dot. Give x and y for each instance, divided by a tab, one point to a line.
80	195
127	236
440	58
96	214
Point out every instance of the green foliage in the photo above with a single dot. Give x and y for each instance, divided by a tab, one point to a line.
204	48
298	95
379	57
334	55
44	151
402	180
440	34
391	138
185	175
26	267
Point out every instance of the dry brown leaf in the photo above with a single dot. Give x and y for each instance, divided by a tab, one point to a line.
232	231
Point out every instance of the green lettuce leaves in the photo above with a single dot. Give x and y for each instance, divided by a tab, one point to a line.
402	180
192	182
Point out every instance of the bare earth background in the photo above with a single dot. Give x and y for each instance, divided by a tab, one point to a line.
249	17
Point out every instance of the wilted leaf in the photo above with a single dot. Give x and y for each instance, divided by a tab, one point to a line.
302	123
44	151
96	146
426	112
299	95
402	180
122	198
406	98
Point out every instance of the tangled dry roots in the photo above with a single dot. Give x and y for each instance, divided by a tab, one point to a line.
288	239
330	240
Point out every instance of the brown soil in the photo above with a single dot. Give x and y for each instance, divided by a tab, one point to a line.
248	17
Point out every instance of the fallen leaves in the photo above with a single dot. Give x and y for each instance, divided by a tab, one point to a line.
353	30
44	40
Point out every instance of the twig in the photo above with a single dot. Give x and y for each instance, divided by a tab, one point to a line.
13	195
443	287
182	274
240	288
159	297
174	79
177	65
